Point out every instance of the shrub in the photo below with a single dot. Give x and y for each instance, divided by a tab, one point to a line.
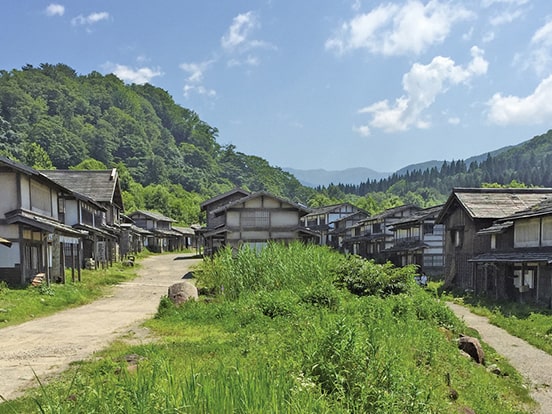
362	277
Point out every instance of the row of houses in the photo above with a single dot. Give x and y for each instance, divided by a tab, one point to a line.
494	241
55	220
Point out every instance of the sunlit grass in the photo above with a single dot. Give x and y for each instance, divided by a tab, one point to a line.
297	345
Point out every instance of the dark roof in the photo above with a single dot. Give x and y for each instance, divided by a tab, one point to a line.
152	214
99	185
40	222
261	194
493	203
513	257
223	196
390	212
496	228
408	246
187	231
329	209
419	216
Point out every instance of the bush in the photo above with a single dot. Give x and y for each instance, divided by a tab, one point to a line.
362	277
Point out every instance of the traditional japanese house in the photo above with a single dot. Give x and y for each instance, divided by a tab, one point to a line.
30	220
466	213
103	187
344	230
418	240
517	264
323	219
133	238
253	221
372	237
162	237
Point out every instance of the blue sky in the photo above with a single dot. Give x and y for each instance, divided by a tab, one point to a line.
308	84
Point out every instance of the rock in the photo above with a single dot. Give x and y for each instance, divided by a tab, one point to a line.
472	347
494	369
181	292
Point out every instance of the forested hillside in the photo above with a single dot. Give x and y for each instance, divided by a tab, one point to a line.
170	161
51	117
527	164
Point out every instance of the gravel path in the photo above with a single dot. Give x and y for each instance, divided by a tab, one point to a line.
534	364
46	346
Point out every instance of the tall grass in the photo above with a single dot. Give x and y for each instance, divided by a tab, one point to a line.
304	343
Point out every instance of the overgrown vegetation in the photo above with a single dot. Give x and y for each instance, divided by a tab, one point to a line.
530	323
282	332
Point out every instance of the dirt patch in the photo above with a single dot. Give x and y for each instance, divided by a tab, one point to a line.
45	347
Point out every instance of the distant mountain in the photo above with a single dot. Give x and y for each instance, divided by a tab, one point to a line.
434	163
320	177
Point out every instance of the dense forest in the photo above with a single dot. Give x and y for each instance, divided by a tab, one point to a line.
50	117
169	160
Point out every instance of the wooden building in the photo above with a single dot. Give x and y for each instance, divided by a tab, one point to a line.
103	187
517	263
30	220
466	213
418	240
322	220
252	220
162	237
372	237
344	229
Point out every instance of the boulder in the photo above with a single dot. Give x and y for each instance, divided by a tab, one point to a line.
472	347
181	292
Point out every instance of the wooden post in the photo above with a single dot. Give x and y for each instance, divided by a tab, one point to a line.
79	260
73	262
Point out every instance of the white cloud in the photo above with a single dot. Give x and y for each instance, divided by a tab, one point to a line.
391	29
454	120
239	31
530	110
363	130
506	17
238	42
55	10
196	73
130	75
539	56
422	85
92	18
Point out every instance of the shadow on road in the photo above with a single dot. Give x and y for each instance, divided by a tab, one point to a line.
196	256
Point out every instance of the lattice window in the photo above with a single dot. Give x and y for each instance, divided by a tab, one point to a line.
257	218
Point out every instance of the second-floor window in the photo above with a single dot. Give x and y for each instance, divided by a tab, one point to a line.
527	233
256	218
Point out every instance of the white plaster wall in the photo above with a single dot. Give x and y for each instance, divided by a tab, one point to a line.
282	218
233	218
8	191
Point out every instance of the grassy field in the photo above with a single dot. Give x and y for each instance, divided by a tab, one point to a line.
297	329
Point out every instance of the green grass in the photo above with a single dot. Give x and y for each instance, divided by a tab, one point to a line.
22	304
530	323
301	344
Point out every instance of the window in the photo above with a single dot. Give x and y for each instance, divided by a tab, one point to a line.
256	218
457	237
428	228
527	233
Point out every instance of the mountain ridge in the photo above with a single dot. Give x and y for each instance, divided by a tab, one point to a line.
320	177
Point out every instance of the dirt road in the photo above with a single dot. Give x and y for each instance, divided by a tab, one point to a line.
534	364
47	345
